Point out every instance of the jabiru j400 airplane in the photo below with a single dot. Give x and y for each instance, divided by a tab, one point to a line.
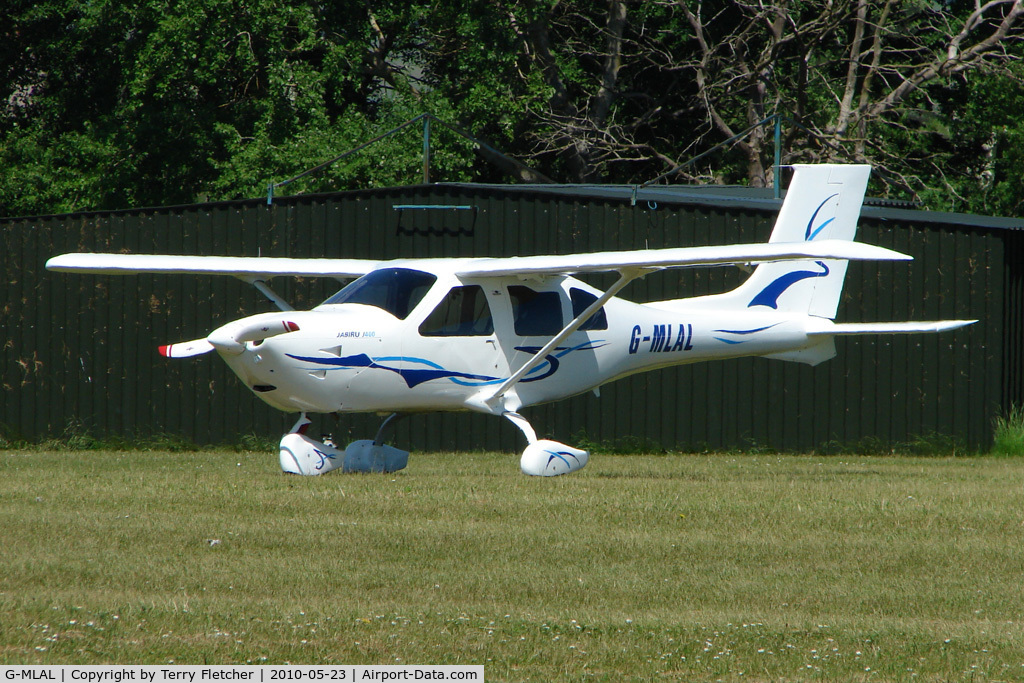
494	335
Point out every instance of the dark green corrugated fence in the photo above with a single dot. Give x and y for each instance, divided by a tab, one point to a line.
81	350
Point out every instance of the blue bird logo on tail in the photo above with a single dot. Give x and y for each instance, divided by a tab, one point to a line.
769	296
812	231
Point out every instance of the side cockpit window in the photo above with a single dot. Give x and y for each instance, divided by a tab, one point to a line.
396	290
581	299
462	313
535	313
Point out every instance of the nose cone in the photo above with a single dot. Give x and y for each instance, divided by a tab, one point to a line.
263	366
258	350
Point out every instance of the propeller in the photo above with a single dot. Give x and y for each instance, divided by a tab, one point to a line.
196	347
231	338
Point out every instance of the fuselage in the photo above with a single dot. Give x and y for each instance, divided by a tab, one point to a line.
405	340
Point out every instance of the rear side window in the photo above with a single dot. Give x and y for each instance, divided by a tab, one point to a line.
535	313
462	313
581	299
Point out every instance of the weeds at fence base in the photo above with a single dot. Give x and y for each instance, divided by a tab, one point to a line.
77	437
1008	433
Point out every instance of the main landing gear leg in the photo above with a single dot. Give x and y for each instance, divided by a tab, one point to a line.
544	458
303	455
387	426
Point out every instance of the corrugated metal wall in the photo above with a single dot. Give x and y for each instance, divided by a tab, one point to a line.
81	350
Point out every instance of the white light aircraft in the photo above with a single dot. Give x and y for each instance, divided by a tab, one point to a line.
494	335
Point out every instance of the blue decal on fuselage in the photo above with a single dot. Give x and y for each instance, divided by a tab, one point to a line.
415	376
552	360
742	333
756	329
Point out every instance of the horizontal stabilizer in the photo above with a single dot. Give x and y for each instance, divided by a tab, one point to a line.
889	328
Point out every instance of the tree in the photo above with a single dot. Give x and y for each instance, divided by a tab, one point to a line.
114	104
862	79
623	91
576	85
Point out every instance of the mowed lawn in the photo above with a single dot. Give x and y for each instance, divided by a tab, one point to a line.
642	567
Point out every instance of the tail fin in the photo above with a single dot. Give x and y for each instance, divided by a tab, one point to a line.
823	202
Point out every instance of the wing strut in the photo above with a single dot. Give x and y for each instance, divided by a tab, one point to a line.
265	290
626	275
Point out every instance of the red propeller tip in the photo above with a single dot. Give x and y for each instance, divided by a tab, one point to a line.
165	350
290	326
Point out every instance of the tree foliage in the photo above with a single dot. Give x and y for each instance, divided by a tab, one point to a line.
145	102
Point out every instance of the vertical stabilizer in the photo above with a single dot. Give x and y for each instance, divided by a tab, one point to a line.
823	202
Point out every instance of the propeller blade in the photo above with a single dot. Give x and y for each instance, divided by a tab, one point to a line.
187	349
231	338
265	330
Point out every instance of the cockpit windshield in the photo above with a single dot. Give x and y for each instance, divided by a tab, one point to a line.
396	290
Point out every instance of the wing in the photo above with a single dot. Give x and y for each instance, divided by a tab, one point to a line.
678	257
247	268
264	268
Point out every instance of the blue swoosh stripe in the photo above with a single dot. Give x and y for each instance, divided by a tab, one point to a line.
815	233
415	376
552	360
412	377
759	329
560	455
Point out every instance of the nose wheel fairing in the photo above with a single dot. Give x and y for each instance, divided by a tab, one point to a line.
300	454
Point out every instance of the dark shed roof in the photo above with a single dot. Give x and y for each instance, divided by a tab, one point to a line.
723	196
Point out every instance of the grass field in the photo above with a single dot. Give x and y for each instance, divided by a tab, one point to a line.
639	568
